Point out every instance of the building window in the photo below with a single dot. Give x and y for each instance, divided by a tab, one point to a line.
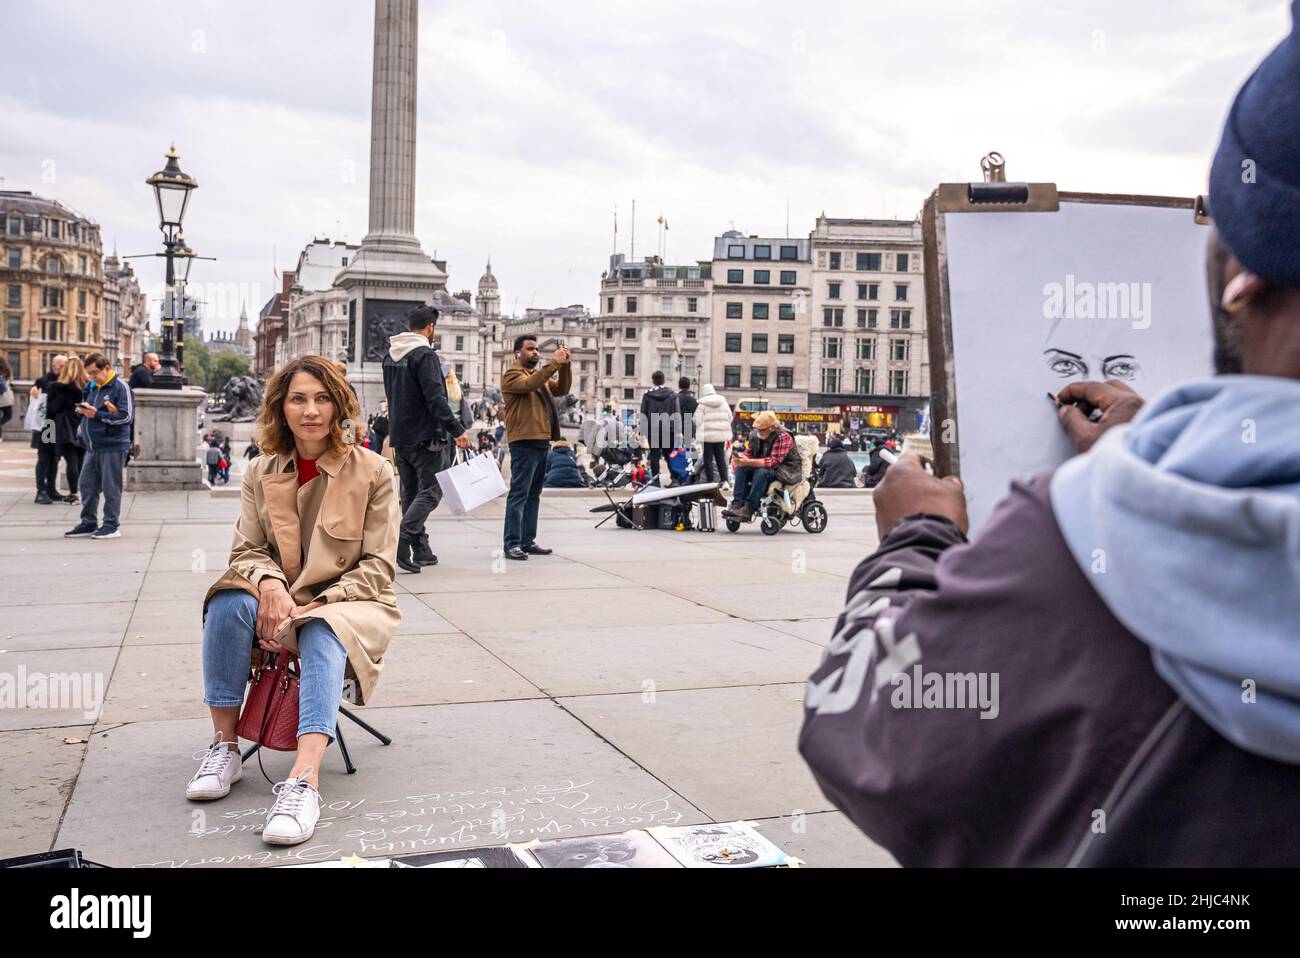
81	260
757	377
608	392
629	364
609	332
762	251
789	252
762	277
862	290
15	226
900	319
900	292
669	272
788	277
833	317
81	331
830	380
864	381
584	342
758	343
15	259
52	264
866	347
15	295
898	349
835	260
785	343
666	363
16	364
631	304
460	346
692	272
731	377
54	229
898	382
627	392
785	311
629	332
785	377
51	298
81	301
735	310
692	304
873	291
668	304
609	364
760	310
833	291
735	276
690	333
665	333
13	327
831	348
902	262
869	262
733	343
736	251
609	304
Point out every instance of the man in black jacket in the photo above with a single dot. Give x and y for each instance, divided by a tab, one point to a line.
686	403
420	423
661	423
838	471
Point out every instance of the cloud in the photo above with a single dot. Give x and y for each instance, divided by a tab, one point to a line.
537	119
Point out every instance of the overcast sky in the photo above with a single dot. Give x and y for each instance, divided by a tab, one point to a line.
537	119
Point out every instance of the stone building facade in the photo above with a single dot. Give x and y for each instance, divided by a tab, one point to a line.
575	327
126	315
867	351
653	316
760	318
51	282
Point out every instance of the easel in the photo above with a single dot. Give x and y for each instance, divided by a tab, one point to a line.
945	221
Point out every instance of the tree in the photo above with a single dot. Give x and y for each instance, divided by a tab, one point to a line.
224	366
198	362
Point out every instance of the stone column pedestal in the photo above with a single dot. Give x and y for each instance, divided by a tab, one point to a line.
167	429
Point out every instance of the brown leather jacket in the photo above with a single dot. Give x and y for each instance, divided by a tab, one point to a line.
530	406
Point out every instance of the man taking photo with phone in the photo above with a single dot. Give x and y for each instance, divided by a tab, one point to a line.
108	411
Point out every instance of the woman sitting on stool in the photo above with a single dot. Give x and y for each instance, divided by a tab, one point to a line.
311	571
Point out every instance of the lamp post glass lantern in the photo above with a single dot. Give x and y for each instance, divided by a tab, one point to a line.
172	189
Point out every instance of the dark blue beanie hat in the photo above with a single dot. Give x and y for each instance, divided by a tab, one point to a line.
1255	180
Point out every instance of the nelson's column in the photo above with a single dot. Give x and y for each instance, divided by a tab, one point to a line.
391	272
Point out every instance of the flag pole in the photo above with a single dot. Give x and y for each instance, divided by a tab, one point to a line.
632	256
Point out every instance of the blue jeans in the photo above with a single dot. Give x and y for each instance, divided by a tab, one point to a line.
527	475
228	640
102	472
751	485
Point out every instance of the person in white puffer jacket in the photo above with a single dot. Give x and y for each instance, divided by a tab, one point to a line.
713	429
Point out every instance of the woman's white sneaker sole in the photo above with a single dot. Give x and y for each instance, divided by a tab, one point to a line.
210	795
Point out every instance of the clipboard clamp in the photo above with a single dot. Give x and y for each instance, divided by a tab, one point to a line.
995	193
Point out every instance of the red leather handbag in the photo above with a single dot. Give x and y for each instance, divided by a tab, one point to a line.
270	715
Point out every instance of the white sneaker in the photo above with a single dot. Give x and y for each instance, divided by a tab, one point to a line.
221	768
292	819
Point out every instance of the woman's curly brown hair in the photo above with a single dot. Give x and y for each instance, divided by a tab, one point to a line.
273	433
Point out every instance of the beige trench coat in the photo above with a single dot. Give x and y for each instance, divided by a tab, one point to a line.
335	540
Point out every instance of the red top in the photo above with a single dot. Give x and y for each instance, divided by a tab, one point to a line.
306	471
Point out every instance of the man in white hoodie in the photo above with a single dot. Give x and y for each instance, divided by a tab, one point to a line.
421	424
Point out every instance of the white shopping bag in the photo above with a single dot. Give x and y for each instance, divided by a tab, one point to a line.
469	484
34	420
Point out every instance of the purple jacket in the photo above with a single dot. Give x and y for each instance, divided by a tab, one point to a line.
1086	756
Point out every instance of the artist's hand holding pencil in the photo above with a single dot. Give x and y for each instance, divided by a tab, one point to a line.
1086	410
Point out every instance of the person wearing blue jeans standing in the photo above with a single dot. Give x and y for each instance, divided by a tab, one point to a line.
108	409
527	476
532	424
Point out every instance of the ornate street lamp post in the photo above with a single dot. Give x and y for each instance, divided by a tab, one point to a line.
171	189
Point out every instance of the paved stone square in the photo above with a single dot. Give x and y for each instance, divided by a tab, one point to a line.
631	679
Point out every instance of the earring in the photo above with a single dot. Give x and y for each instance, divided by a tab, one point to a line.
1240	291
